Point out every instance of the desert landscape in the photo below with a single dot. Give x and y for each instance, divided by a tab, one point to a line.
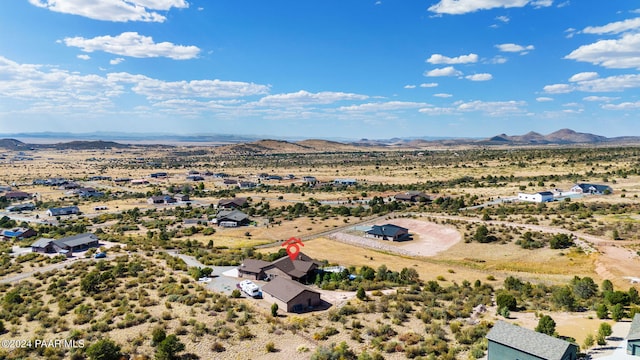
465	243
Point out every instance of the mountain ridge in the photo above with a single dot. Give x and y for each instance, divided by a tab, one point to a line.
250	145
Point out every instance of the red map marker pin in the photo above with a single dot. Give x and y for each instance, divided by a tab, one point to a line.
293	247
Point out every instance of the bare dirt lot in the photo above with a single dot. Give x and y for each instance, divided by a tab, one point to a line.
429	238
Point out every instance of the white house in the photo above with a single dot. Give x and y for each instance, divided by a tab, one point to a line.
539	197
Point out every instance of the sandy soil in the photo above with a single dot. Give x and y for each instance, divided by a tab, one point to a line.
429	239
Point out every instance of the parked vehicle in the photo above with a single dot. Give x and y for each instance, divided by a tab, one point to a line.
250	288
100	255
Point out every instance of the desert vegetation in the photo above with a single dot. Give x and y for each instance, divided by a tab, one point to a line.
515	258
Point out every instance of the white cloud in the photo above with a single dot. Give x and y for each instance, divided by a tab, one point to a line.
515	48
610	84
541	3
583	76
116	61
504	19
383	106
462	59
409	86
428	85
498	60
493	108
443	95
44	87
614	27
622	106
558	89
623	53
457	7
479	77
445	71
544	99
303	97
83	57
134	45
113	10
599	98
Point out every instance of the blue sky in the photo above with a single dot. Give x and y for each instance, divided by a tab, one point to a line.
320	69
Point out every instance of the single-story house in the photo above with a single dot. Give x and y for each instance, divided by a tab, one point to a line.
412	196
232	218
21	207
593	189
539	197
633	338
246	184
43	245
181	197
99	177
389	232
68	244
18	233
161	199
5	188
230	182
290	295
67	210
232	203
346	182
122	180
299	269
220	175
17	195
253	269
69	185
158	175
310	179
88	192
195	178
139	182
507	341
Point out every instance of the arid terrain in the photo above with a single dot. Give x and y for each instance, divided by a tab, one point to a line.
471	240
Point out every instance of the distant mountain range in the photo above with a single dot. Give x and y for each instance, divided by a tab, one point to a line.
249	145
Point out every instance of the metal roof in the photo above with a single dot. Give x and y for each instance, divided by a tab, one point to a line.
634	330
529	341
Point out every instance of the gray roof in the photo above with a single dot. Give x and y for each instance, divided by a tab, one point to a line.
386	230
64	210
78	240
232	215
546	193
529	341
284	289
634	330
42	242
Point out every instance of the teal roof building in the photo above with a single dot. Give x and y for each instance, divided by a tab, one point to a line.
507	341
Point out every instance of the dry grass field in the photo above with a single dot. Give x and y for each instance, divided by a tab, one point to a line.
439	252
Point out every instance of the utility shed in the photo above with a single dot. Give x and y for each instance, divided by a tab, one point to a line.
633	338
507	341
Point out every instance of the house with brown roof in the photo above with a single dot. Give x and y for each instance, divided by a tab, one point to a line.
233	203
290	295
412	196
17	195
299	269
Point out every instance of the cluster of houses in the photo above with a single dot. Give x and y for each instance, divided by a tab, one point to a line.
581	188
168	199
